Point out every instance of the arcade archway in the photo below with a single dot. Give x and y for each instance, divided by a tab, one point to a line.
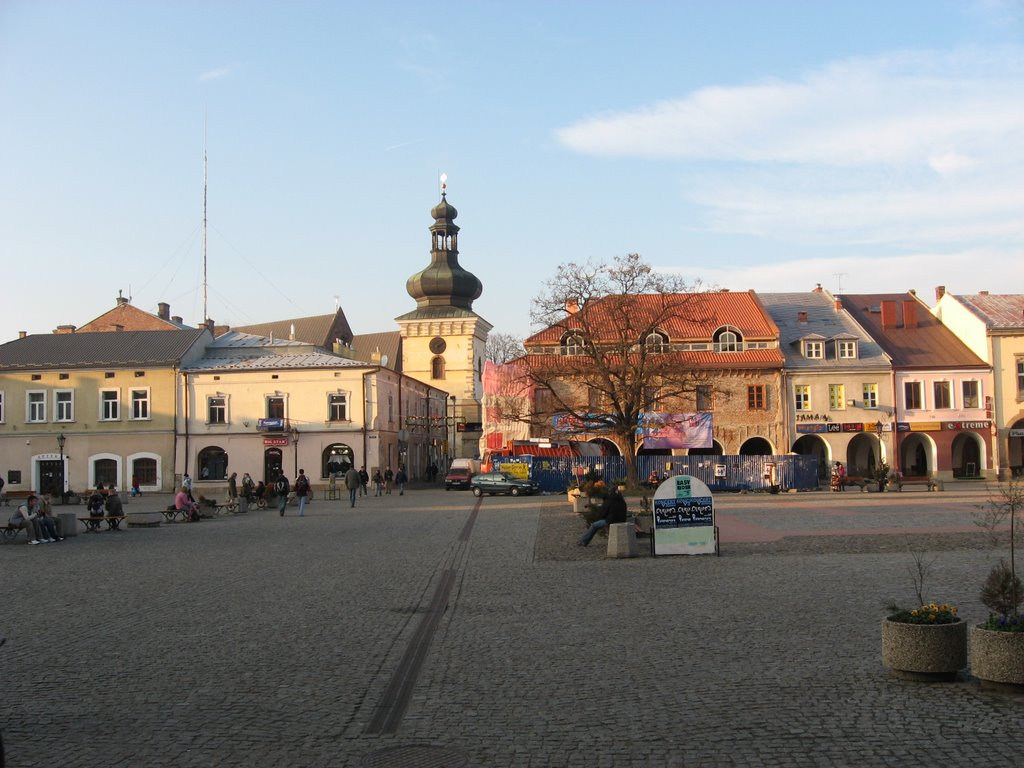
756	446
917	455
813	445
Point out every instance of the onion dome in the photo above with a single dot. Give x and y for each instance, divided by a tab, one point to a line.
444	283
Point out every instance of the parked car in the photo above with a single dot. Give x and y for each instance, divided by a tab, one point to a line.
458	477
501	482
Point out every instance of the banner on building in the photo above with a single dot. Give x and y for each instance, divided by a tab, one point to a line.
507	403
587	422
675	430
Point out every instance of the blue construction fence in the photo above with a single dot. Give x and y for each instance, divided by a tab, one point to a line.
720	473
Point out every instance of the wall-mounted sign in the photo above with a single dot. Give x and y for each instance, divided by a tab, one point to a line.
967	425
270	424
275	441
811	428
1017	433
853	427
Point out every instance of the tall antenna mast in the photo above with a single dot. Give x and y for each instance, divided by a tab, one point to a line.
205	313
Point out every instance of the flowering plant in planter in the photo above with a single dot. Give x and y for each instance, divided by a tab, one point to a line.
932	613
595	489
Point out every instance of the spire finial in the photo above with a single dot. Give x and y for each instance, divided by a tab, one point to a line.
444	184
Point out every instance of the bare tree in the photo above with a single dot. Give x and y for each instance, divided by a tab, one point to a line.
502	347
605	355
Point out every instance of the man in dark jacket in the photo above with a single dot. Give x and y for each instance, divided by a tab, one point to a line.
613	510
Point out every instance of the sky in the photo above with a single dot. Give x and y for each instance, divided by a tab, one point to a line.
868	147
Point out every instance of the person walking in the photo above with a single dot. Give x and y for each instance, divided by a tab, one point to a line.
233	487
378	483
353	482
364	480
186	483
302	490
136	490
389	478
401	479
281	489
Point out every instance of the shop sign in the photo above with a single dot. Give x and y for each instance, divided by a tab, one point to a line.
853	427
811	428
275	441
967	425
1017	433
924	426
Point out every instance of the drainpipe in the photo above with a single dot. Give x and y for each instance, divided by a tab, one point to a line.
185	404
895	431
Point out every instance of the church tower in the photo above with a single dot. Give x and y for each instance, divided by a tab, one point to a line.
443	339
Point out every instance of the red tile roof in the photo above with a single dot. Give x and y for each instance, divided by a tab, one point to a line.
749	358
697	318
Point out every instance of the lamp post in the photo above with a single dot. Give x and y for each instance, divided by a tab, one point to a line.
451	449
881	461
60	444
295	441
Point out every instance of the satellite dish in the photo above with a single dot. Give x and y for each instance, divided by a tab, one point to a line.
384	361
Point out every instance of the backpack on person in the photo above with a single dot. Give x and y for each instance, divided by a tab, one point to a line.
301	485
281	486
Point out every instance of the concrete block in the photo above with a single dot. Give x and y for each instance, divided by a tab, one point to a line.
67	523
622	540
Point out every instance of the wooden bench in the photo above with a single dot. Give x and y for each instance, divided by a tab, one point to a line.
10	496
9	533
92	524
171	514
929	483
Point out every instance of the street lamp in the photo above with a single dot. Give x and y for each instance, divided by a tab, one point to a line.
295	440
60	444
451	450
881	461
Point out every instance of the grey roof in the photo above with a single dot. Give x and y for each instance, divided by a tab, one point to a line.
237	351
998	311
823	321
111	349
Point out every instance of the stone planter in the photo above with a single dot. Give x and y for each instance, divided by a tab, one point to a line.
997	658
924	652
579	505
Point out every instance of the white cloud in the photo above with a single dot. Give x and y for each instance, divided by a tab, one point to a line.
214	74
911	149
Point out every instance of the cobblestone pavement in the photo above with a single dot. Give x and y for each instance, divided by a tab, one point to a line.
256	640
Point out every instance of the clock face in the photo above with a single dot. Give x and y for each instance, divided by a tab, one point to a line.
437	345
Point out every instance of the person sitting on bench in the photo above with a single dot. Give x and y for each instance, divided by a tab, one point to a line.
96	502
113	504
613	510
190	509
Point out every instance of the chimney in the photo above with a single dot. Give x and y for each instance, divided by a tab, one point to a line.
909	314
838	305
209	324
889	314
163	310
940	291
336	347
291	332
22	334
121	300
64	329
375	357
801	317
983	293
176	318
818	288
572	306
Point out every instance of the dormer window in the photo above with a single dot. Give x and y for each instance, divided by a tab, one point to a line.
814	350
727	339
573	344
846	350
656	342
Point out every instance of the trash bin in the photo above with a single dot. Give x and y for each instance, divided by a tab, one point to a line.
67	523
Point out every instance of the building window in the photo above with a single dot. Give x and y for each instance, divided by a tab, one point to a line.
705	397
870	393
756	400
814	350
594	399
802	397
140	403
543	402
337	406
837	397
110	404
105	472
656	343
391	409
145	471
275	407
213	463
36	407
573	345
912	399
63	405
437	367
941	392
727	339
970	391
1020	378
846	350
217	410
